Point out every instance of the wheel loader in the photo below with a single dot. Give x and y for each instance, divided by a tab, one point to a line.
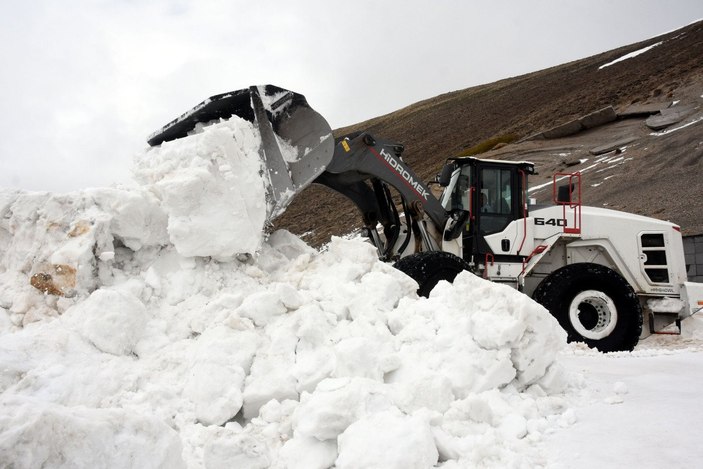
601	273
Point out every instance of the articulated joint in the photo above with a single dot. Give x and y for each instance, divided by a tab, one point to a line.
417	210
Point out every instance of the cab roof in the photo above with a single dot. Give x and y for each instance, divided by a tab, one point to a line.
526	166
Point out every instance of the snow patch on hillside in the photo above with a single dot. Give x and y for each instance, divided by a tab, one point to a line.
630	55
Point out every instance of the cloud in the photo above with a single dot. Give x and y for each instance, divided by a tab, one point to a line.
83	86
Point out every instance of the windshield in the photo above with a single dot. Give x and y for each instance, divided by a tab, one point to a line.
496	193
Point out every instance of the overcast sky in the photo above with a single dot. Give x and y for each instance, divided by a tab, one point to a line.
84	82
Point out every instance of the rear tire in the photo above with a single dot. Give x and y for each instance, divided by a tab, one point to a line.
429	267
594	305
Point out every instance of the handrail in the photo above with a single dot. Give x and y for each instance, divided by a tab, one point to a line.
572	204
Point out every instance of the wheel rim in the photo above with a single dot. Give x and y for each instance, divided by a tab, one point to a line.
593	314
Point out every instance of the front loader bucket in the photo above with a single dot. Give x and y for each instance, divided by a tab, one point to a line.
296	141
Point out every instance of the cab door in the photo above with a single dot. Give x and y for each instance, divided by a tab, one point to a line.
497	204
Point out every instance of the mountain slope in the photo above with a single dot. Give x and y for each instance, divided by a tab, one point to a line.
446	125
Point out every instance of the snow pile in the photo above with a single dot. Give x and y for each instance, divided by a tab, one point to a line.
202	194
122	346
63	245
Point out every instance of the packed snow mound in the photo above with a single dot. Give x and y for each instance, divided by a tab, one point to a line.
297	359
124	345
55	249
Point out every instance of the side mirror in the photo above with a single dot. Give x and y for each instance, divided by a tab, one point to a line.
455	224
567	194
564	193
446	175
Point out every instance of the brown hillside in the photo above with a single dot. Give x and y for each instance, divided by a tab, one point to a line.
659	175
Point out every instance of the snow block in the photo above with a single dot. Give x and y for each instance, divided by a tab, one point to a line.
78	436
337	403
111	320
390	440
209	186
308	453
216	391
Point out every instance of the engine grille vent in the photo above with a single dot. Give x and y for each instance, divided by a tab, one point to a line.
653	258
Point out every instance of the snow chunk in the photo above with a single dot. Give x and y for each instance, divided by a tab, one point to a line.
84	437
261	307
387	440
137	219
112	320
211	187
477	334
308	453
336	404
620	388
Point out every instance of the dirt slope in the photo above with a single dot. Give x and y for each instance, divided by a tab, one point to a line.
658	175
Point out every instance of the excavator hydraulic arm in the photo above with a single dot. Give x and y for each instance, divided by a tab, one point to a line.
362	157
359	166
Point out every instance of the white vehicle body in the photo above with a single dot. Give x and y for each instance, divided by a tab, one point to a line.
646	252
535	243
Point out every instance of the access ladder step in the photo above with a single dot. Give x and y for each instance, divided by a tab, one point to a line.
662	321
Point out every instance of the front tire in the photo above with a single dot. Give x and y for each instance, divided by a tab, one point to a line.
427	268
594	304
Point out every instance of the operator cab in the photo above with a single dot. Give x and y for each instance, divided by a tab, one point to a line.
494	193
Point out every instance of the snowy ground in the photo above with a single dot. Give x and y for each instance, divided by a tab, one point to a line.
642	408
135	333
